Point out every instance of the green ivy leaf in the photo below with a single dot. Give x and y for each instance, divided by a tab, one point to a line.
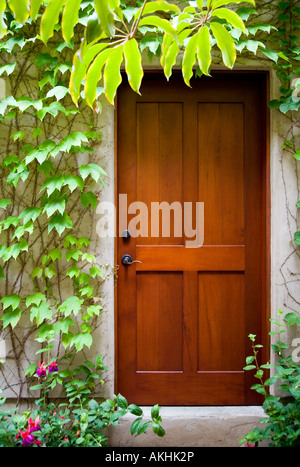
11	317
74	254
37	272
73	271
54	204
35	299
59	92
52	109
40	313
4	203
54	182
81	340
63	325
12	301
30	214
60	222
297	238
89	198
71	305
55	254
94	170
8	68
94	271
30	370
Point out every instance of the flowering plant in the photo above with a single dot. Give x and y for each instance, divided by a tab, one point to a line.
80	421
281	425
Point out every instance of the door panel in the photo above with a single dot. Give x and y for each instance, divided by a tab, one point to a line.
184	310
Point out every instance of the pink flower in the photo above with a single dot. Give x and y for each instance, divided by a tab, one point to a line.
28	438
52	367
41	371
249	445
34	425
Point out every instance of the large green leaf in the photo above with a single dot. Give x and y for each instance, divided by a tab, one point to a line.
93	30
133	64
20	9
225	43
70	18
159	5
204	50
34	8
76	78
218	3
3	27
50	18
159	23
112	75
105	16
166	43
231	16
170	59
94	75
189	59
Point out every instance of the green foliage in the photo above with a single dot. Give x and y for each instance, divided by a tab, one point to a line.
282	414
116	33
80	421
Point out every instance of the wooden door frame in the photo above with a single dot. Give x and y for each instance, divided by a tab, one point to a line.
266	221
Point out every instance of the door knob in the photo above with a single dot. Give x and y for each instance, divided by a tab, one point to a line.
127	260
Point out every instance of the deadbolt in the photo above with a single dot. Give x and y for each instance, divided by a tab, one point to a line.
126	234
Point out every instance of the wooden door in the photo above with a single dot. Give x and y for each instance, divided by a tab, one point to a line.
184	312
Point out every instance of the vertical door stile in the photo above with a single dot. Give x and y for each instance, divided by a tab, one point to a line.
190	278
